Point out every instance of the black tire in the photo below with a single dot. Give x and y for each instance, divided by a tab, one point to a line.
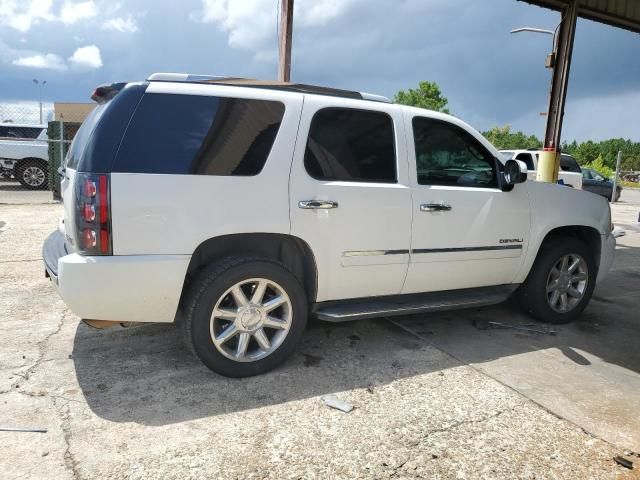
532	295
39	168
211	285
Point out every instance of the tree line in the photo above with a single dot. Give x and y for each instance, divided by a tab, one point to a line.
600	155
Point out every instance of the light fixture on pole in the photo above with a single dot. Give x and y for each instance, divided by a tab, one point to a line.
40	84
551	58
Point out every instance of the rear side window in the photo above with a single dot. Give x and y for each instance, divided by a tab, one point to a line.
205	135
568	164
351	145
20	132
528	159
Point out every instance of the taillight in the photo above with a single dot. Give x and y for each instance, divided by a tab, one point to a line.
93	214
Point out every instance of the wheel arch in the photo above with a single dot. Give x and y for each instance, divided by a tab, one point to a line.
586	234
294	252
31	159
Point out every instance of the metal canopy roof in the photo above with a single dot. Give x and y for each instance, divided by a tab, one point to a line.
618	13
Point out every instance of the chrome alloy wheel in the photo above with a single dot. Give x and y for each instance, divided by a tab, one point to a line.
33	176
251	320
567	282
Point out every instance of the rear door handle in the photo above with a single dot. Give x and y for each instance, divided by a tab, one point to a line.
435	207
317	204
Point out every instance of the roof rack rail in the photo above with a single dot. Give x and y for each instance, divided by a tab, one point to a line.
267	84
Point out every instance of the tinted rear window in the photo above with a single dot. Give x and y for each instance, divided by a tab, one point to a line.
189	134
351	145
82	137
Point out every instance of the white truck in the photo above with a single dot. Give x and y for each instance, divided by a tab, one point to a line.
570	173
24	154
261	203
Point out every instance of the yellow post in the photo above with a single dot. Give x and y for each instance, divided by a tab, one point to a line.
548	166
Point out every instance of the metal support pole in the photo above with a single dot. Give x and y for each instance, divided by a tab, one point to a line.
549	162
286	36
615	177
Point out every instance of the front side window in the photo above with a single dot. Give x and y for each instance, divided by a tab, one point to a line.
568	164
448	155
351	145
200	135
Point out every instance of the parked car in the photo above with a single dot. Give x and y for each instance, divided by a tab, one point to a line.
593	181
569	173
24	154
237	209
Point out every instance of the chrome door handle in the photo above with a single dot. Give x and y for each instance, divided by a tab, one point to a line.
435	207
317	204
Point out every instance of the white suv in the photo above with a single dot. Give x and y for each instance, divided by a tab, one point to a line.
24	154
238	208
570	172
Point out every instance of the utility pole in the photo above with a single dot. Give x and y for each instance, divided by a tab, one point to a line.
286	35
549	162
40	84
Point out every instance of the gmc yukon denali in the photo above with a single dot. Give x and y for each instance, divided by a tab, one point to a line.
238	208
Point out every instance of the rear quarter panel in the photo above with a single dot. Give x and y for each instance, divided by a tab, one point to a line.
173	214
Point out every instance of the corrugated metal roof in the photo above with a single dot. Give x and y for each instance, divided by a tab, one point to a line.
618	13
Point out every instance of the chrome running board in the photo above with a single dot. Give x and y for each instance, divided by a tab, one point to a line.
363	308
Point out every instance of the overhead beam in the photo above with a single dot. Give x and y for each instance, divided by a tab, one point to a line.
617	13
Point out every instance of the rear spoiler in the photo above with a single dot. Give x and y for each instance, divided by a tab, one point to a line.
106	92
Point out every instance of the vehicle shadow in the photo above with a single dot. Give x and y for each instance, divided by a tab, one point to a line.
145	375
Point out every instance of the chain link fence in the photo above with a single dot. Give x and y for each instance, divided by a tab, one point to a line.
33	142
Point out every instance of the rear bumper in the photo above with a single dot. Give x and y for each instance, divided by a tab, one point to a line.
127	288
607	254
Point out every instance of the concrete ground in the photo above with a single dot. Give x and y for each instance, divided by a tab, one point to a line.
12	193
437	396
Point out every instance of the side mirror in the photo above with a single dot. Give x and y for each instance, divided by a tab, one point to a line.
515	171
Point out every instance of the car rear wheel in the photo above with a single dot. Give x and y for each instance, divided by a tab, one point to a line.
244	315
32	174
561	282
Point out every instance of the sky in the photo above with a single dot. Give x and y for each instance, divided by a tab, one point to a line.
490	76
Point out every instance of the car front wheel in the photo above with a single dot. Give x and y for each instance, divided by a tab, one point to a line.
561	282
245	315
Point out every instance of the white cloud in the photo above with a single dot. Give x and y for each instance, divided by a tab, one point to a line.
73	12
251	24
121	24
48	61
87	57
21	15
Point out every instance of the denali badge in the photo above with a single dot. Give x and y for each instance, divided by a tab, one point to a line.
511	240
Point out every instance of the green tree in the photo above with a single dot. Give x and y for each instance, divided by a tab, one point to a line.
599	166
428	95
587	152
504	139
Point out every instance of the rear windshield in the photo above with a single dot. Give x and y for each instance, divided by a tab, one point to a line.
201	135
82	137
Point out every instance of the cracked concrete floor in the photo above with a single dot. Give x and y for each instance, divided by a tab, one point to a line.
133	403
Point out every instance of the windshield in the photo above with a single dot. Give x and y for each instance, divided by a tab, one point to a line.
82	137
